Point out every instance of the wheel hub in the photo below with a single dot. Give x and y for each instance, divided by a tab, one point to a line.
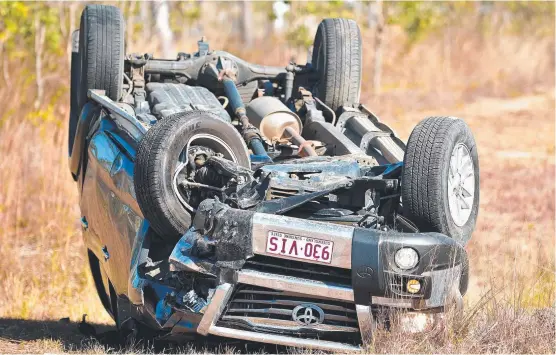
461	184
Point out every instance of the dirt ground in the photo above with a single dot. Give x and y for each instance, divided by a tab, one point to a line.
511	250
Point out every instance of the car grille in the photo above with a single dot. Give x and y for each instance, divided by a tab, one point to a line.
299	269
266	310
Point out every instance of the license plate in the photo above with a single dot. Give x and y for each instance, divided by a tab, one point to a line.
299	247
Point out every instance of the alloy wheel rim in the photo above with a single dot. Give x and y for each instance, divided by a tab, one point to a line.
461	184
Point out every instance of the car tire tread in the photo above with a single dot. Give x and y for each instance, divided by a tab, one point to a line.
340	78
426	160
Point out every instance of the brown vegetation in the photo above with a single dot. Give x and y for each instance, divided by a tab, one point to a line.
500	82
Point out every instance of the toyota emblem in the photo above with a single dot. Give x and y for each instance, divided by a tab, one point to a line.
308	314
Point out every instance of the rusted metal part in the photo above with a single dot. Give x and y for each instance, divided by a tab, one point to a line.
272	117
137	76
305	147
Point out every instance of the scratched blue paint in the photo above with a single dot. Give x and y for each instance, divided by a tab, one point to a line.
163	311
186	324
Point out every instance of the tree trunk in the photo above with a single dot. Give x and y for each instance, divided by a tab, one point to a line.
40	33
371	18
201	20
379	33
71	9
145	13
270	19
63	29
5	69
129	25
163	27
447	51
246	20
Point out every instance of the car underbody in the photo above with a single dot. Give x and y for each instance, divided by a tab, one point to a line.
295	233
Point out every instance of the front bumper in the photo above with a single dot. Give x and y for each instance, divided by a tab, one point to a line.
256	291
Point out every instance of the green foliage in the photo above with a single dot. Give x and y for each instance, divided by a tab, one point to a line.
417	18
324	9
16	22
189	11
17	28
49	17
541	294
534	17
44	117
529	10
421	18
300	36
265	7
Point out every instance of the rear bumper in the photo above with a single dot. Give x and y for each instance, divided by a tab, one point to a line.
365	276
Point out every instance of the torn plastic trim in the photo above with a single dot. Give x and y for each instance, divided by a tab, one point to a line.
183	256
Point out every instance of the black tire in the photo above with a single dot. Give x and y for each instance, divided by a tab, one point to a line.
74	92
156	161
101	48
337	58
425	195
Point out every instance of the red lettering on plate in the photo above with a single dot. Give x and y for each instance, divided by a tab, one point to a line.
325	253
273	244
299	247
293	248
316	251
308	250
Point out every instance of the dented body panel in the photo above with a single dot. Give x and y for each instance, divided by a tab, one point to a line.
230	250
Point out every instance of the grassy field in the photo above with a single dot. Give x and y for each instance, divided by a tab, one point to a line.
504	91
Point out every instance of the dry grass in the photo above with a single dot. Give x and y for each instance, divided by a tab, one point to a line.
501	86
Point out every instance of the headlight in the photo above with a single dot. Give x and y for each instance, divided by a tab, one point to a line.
406	258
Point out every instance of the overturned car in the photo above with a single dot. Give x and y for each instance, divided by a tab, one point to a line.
220	197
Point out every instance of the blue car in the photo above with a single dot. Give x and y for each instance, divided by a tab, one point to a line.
221	197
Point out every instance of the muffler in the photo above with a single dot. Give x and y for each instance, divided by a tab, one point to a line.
275	121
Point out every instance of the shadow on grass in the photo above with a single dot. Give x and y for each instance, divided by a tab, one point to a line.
19	332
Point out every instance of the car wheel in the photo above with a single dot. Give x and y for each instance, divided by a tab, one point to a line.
440	180
337	59
161	156
101	48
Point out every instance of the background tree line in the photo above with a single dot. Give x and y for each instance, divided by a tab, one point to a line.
35	36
